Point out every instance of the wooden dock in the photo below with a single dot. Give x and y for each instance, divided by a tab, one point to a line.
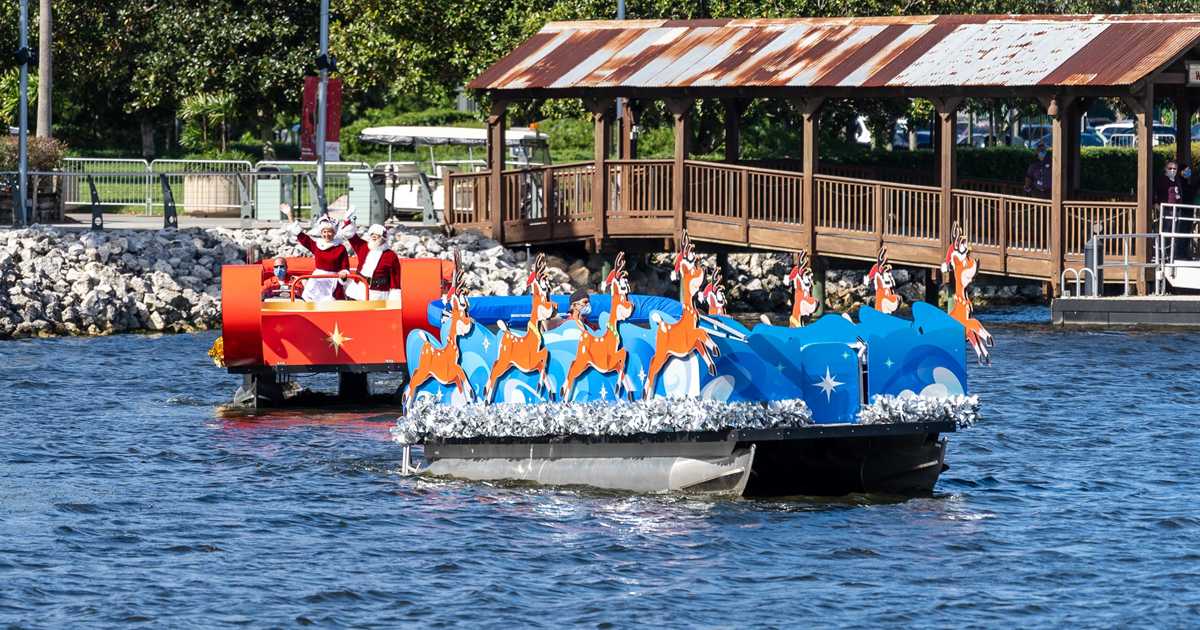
1149	310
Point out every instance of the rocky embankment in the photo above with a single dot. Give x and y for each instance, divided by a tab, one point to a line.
73	282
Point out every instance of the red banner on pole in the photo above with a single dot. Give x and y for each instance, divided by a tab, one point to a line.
333	119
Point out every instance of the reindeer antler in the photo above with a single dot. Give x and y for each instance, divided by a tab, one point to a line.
956	231
882	258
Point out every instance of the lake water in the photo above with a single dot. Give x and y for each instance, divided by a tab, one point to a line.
125	499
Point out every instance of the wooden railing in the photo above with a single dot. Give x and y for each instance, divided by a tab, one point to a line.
911	211
1028	224
981	216
467	199
713	190
775	197
1111	217
640	189
844	204
571	192
1003	221
758	207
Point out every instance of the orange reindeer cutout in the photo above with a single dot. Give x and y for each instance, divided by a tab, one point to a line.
713	295
886	300
801	280
441	364
527	352
958	258
685	336
604	353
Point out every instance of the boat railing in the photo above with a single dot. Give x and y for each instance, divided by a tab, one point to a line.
352	276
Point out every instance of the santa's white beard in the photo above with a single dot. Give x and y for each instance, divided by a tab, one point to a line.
373	246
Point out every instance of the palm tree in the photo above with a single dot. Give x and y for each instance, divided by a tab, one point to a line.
45	68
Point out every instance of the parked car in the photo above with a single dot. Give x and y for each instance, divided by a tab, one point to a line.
1120	134
1087	138
1030	133
900	137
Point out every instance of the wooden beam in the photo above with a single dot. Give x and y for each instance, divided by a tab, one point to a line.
630	111
810	110
1059	110
947	113
679	109
495	158
1078	108
1183	127
600	109
1142	105
734	108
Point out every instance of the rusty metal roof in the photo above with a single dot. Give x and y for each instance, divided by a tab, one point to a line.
884	52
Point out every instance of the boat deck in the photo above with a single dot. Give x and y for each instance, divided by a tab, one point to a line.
1147	310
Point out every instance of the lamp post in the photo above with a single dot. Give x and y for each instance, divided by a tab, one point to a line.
323	65
19	208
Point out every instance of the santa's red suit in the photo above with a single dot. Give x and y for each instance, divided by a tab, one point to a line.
380	265
331	258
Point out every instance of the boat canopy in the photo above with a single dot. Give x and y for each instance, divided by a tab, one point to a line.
431	136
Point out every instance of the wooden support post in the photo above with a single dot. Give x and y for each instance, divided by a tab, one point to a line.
947	114
744	205
548	205
496	152
600	109
629	119
734	107
810	110
448	198
1074	156
628	151
1142	104
1059	111
1183	128
679	109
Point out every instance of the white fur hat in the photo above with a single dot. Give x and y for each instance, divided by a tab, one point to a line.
377	229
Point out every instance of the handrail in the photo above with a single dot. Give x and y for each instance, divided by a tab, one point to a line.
1079	274
856	180
350	276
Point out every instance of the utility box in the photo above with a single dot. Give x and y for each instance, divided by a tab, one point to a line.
272	192
365	198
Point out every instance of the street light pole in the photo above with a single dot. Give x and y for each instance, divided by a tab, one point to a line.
322	106
19	208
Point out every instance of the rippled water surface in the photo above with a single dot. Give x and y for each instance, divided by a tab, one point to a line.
124	498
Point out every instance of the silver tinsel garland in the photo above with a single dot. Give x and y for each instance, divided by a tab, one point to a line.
430	418
963	410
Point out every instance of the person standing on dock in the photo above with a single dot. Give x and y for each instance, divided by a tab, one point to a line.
1037	176
1173	188
331	260
376	262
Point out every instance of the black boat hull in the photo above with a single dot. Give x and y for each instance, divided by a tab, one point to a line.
821	460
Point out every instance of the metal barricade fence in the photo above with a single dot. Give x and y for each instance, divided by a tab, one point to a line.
122	183
337	182
226	187
204	187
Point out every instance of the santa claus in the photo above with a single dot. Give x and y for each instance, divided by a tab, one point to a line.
331	260
377	263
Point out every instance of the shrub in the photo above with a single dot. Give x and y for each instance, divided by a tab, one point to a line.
45	154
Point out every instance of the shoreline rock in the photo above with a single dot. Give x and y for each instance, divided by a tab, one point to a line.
70	282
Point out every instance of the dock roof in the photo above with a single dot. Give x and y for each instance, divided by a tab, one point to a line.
884	53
